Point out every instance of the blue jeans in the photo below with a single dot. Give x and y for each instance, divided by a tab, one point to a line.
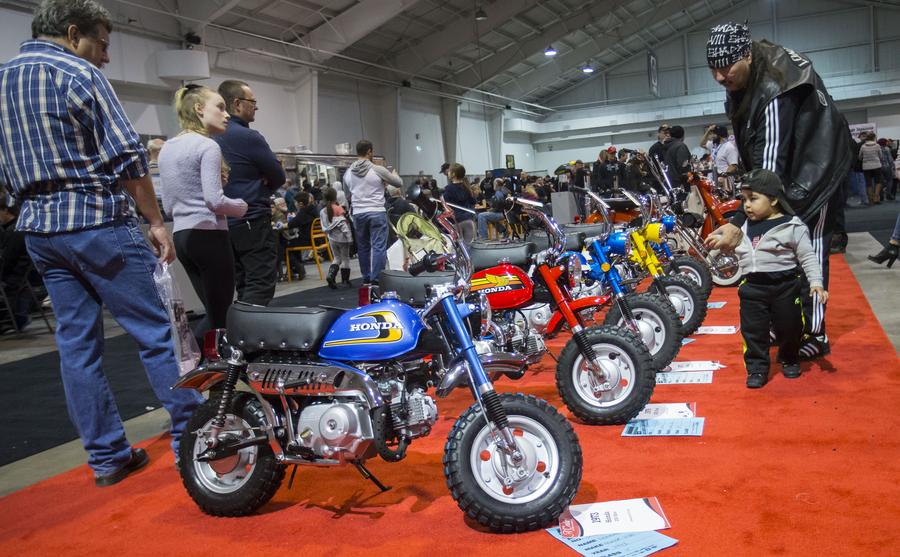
371	243
483	220
113	266
858	187
895	235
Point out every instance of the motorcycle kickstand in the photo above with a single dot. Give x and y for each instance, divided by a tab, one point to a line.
293	473
361	468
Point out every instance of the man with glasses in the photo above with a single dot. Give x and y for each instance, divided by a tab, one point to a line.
254	176
73	159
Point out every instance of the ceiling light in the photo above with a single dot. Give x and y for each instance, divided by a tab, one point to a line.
550	51
588	69
480	15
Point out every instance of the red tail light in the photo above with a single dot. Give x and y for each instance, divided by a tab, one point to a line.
365	295
211	344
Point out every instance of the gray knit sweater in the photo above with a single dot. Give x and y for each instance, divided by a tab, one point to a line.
190	172
782	248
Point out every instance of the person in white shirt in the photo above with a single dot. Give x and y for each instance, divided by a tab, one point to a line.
365	181
724	153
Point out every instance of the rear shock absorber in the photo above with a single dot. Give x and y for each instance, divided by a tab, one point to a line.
235	365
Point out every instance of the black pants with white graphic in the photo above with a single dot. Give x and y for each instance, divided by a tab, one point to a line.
766	305
821	231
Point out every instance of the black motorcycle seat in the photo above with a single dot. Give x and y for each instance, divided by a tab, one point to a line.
488	254
253	328
574	240
411	289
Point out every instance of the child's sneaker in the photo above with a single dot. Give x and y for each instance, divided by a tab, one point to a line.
791	371
756	380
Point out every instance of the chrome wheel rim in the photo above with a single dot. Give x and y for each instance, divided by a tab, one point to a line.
611	357
682	300
532	479
229	474
691	274
651	329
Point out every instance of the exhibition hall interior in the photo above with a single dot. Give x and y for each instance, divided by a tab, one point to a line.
418	277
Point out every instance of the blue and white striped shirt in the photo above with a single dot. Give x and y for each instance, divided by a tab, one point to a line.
64	141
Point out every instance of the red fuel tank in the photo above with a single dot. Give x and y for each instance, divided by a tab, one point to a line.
506	286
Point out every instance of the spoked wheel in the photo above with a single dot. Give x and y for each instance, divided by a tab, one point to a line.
235	485
696	271
658	325
629	377
684	297
725	268
504	495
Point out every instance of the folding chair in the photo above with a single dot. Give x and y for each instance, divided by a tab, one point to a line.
317	240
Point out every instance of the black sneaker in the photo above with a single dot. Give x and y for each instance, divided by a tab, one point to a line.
813	346
791	371
756	380
139	459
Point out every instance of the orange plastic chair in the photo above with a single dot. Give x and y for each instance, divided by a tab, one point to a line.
317	240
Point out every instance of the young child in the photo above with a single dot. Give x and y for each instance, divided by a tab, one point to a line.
334	223
775	242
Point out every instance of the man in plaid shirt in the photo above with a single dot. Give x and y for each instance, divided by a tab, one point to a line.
72	159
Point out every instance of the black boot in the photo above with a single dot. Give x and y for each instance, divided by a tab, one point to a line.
345	278
889	253
332	273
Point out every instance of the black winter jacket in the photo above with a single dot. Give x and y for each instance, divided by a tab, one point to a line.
795	130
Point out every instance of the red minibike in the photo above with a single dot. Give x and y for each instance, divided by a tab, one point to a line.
604	373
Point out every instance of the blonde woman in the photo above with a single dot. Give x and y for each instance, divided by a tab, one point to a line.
191	170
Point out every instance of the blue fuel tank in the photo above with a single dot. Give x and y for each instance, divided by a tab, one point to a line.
381	331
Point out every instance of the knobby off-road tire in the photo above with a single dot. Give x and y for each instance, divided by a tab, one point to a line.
233	486
694	304
469	457
658	311
696	271
614	346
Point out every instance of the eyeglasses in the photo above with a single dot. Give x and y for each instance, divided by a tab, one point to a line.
253	101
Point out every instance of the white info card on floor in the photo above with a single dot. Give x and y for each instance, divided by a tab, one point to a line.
697	365
720	330
667	410
613	517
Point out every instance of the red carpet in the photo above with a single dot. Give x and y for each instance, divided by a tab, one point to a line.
809	466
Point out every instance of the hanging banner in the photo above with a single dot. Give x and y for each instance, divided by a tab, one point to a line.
653	73
856	129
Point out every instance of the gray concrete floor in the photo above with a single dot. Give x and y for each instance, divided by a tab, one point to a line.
880	285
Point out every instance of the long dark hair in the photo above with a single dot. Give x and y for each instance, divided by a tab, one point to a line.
760	69
330	199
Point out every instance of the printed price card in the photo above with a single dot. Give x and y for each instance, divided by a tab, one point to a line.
667	410
679	427
632	544
698	365
613	517
684	377
727	330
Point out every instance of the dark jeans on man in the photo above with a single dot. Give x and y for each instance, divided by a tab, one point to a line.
207	259
371	242
84	271
255	260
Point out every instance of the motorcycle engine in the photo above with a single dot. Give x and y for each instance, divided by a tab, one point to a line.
335	429
413	413
526	328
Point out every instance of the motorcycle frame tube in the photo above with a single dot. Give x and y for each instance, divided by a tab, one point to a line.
610	277
566	308
643	256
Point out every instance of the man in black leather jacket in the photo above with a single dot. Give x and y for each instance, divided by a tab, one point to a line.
785	121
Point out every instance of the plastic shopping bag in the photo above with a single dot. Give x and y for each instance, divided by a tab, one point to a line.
187	353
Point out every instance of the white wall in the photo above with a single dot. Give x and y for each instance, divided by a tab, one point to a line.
473	142
421	141
350	110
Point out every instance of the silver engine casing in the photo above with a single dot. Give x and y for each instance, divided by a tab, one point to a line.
525	331
422	413
335	430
